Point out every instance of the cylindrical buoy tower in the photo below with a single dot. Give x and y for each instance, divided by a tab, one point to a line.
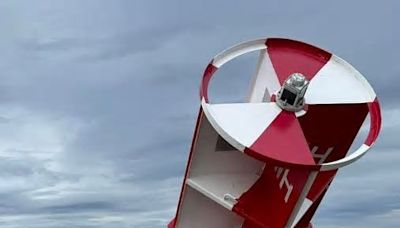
269	162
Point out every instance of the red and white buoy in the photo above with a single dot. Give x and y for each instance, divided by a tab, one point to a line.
270	161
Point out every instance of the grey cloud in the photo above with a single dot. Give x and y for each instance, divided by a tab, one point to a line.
107	94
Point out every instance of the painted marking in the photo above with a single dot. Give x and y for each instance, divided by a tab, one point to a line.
321	157
284	180
282	174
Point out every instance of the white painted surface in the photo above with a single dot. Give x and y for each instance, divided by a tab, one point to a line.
216	186
338	82
237	50
265	79
303	209
241	124
201	212
300	113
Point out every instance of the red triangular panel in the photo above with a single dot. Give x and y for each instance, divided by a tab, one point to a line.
290	57
269	204
283	140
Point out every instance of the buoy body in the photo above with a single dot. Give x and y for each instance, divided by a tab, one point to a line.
258	164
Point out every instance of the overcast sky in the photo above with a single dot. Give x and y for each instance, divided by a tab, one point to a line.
98	101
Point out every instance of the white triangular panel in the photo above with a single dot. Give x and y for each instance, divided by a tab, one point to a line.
241	124
338	82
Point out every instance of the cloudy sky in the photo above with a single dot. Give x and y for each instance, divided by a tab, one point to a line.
98	101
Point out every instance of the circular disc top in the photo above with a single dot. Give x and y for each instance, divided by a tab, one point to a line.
337	101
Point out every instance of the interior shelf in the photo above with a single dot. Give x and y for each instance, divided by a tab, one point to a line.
200	211
223	188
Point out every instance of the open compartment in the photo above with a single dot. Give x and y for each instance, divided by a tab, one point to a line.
218	170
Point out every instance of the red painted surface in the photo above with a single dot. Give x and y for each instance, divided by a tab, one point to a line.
264	204
321	182
325	126
283	141
248	224
208	73
172	223
289	56
376	121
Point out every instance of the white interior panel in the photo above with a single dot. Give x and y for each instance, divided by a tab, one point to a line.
217	173
207	161
265	80
201	212
217	186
